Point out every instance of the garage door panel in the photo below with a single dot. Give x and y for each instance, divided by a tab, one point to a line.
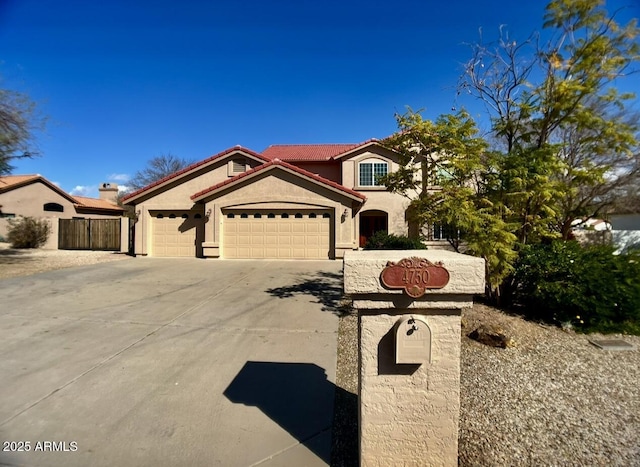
276	234
257	227
173	234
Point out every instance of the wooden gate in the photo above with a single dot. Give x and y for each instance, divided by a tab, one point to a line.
89	234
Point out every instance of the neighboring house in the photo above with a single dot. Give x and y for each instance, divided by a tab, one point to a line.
35	196
290	201
626	229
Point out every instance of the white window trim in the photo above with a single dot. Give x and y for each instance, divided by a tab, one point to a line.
371	161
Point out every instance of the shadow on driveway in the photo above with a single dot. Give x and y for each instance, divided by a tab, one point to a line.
326	287
297	396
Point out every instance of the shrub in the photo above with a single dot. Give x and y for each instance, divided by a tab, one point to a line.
382	240
586	288
27	232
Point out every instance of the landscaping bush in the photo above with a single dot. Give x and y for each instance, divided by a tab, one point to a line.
27	232
382	240
586	288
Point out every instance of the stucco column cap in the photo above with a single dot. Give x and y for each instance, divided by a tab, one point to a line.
362	271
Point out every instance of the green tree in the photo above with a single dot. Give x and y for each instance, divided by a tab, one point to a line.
18	122
568	141
156	169
448	176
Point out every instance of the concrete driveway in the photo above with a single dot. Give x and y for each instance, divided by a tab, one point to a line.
170	362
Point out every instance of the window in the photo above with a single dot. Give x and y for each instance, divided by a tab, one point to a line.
326	215
444	232
271	215
230	216
298	215
285	215
257	215
185	216
172	216
244	215
54	207
371	171
7	214
159	216
312	215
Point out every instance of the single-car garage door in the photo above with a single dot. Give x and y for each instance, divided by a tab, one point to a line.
174	233
279	234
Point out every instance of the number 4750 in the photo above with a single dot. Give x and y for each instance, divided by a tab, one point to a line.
415	276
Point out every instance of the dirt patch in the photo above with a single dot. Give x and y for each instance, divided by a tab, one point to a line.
24	262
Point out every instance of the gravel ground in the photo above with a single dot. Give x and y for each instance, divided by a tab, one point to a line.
23	262
553	399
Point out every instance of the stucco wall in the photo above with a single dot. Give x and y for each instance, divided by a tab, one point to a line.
277	189
29	200
378	198
409	415
177	195
328	170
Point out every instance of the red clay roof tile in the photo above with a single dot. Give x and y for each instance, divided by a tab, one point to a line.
309	152
8	181
95	203
278	162
192	167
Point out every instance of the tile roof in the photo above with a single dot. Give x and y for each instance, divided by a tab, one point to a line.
95	203
278	162
309	152
192	167
10	181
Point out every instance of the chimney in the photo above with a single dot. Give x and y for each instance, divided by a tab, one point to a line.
109	192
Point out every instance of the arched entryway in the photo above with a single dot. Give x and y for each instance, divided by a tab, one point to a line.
371	222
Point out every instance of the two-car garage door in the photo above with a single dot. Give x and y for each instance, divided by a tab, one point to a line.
280	234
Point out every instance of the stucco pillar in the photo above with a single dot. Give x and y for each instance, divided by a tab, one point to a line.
409	412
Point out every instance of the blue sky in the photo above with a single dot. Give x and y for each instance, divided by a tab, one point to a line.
124	81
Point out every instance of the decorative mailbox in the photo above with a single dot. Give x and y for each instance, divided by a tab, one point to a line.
414	275
413	341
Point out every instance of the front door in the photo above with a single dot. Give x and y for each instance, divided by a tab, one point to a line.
370	223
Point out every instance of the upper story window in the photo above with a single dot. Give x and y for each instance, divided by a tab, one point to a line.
54	207
370	172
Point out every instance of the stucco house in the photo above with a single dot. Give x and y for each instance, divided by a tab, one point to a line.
290	201
35	196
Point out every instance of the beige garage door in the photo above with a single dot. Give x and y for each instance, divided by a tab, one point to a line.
174	234
302	234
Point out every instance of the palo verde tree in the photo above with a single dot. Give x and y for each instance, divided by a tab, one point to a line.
568	142
443	172
18	122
